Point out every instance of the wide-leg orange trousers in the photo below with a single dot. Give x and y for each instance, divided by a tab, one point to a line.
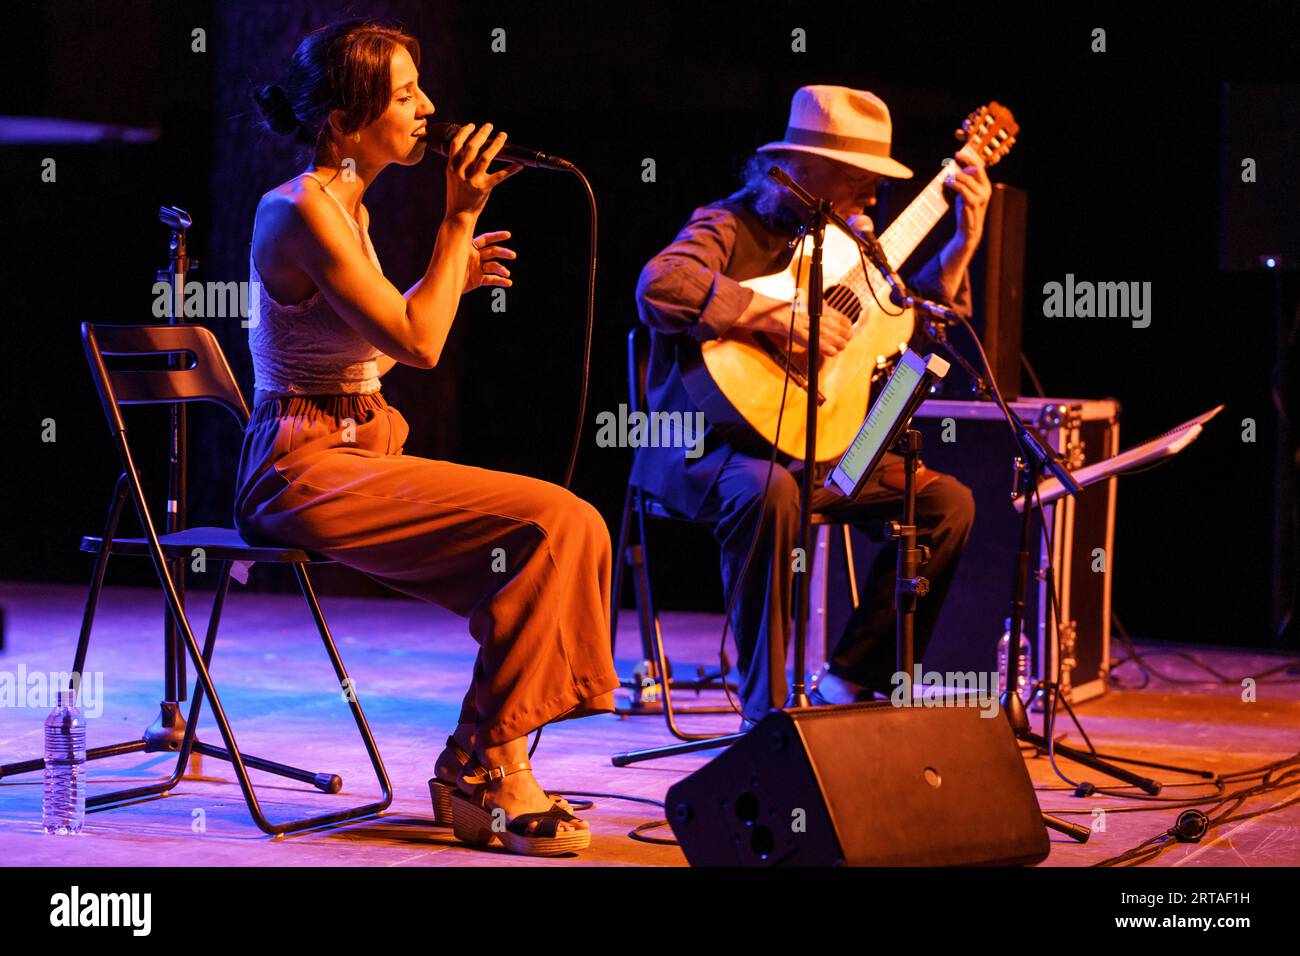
525	560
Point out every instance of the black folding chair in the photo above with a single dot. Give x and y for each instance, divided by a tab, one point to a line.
633	553
208	379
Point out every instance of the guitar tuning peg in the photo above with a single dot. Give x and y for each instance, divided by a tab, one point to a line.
960	134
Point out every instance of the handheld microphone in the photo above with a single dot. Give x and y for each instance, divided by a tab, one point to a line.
440	136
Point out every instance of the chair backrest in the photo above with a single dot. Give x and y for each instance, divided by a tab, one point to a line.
638	360
208	379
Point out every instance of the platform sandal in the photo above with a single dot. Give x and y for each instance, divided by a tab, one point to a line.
472	820
440	791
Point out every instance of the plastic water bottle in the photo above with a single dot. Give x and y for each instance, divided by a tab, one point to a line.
65	767
1023	679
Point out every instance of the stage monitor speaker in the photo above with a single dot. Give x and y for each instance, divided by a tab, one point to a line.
863	785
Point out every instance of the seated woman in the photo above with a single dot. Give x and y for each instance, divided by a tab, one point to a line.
322	465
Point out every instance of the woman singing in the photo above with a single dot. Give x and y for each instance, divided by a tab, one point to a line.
322	465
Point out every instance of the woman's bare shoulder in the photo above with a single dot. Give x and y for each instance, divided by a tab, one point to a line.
287	201
294	208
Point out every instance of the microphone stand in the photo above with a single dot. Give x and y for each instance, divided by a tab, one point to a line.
821	215
168	730
938	317
936	324
1035	459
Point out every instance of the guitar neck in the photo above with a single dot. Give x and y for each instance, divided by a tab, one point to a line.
914	224
903	235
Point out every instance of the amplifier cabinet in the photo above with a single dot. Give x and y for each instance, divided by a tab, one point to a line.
971	441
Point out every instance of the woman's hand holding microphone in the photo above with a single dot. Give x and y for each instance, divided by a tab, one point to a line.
468	185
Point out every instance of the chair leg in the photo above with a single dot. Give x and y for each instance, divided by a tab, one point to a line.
188	742
329	783
381	775
324	782
652	635
205	681
97	576
620	563
647	613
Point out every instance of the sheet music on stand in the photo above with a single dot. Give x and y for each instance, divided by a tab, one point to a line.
889	415
1158	448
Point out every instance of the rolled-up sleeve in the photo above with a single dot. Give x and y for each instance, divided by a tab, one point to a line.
684	288
928	283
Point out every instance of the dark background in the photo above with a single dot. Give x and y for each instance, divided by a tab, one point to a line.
1130	159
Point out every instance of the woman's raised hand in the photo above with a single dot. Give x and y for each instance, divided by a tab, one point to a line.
468	181
482	267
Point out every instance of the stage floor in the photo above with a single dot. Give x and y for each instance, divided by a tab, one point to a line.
410	662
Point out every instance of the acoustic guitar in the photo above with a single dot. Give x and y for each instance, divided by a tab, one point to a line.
737	380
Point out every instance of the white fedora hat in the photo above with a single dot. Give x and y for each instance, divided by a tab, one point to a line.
849	126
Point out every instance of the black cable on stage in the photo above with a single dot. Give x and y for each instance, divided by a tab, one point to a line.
1152	847
1127	791
1117	627
1219	799
587	335
637	832
586	357
1139	658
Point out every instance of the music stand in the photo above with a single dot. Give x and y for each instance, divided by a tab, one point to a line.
1139	456
888	426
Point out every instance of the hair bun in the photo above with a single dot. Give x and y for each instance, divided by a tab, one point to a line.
279	115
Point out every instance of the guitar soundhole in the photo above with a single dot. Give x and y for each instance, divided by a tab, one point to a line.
842	299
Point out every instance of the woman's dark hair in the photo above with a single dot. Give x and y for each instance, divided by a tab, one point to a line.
341	66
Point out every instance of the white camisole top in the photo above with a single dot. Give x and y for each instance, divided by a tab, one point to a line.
307	348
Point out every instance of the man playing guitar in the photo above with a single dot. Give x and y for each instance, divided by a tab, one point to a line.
837	147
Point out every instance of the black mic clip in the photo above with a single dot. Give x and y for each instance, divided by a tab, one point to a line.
936	314
1047	458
